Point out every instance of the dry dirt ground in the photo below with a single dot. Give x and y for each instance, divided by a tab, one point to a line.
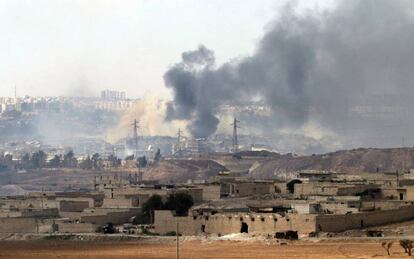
195	249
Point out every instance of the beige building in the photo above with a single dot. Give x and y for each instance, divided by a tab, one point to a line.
247	188
227	223
272	223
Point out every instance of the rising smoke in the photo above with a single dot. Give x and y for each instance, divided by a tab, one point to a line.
149	111
334	68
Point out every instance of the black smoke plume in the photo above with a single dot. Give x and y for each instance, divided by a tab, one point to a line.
335	68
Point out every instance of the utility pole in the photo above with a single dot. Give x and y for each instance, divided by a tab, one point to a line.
398	178
179	141
135	128
177	251
235	139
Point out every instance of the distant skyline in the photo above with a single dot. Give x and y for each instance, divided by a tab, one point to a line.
78	48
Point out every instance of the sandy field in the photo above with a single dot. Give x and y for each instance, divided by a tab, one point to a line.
195	249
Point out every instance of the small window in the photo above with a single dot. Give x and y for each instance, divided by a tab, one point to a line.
194	217
252	219
275	219
206	217
241	218
262	219
287	219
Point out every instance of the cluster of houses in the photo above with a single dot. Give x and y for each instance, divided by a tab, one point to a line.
305	205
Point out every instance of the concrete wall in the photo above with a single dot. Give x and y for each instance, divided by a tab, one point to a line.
337	208
321	188
338	223
211	192
409	193
305	208
25	225
89	200
226	223
41	213
384	205
73	206
244	189
64	227
30	202
122	192
123	203
115	216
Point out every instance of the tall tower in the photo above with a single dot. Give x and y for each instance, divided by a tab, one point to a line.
135	128
235	139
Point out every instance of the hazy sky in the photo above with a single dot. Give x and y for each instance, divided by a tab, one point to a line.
79	47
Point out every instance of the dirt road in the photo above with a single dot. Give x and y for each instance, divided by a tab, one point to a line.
193	249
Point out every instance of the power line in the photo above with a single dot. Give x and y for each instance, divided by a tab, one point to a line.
135	129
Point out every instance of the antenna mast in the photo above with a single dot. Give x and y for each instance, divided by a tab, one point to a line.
235	139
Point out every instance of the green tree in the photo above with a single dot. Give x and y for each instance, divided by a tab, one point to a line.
157	156
142	162
87	163
38	159
25	161
407	245
96	159
8	157
69	160
153	203
115	162
179	202
131	157
55	161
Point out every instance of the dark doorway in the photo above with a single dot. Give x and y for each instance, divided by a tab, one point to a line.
362	223
401	196
244	228
203	228
291	185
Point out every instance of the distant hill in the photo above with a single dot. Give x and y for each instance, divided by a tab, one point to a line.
348	161
181	170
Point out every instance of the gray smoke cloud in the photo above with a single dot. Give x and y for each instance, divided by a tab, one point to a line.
339	68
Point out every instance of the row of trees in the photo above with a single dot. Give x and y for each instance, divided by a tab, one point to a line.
38	160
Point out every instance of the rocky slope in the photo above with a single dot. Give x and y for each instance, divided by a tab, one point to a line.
180	170
348	161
